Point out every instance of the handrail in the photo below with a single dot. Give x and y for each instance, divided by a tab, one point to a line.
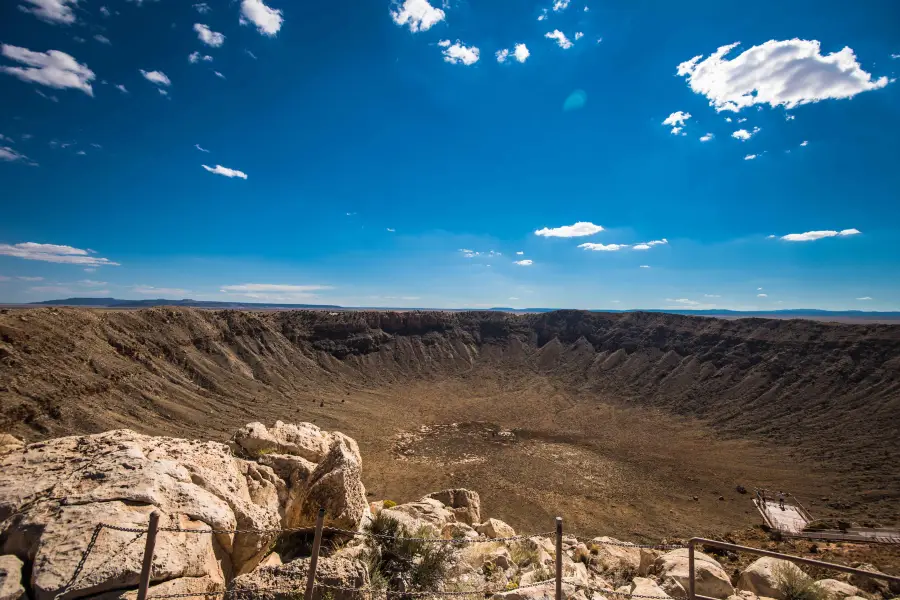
794	559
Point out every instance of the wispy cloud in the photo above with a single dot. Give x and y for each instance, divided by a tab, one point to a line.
762	295
711	296
157	77
391	230
778	73
645	266
27	278
121	88
51	11
52	69
685	301
202	8
474	253
418	15
54	253
750	157
220	170
219	75
524	263
603	247
561	40
7	154
707	137
201	149
149	290
195	57
102	39
648	245
459	53
560	5
208	36
579	229
272	287
810	236
865	298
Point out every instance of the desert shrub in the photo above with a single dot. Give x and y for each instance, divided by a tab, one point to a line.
511	586
412	564
796	585
543	572
523	554
388	504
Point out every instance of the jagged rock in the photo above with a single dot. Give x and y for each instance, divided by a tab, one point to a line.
458	530
495	528
302	439
761	577
464	504
290	580
581	554
641	586
9	443
710	579
501	558
427	512
872	585
182	585
272	560
336	485
837	590
11	577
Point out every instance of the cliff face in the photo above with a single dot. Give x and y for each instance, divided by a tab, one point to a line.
830	391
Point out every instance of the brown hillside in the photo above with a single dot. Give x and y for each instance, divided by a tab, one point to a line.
618	420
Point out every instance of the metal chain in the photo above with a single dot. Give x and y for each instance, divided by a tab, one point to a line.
631	545
614	592
81	562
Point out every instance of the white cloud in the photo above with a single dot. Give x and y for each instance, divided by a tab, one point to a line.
677	130
81	153
268	21
645	266
711	296
90	270
202	8
742	134
7	154
162	92
102	39
195	57
560	38
578	35
810	236
778	73
418	15
684	301
789	117
579	229
741	120
560	5
157	77
502	55
208	36
160	291
390	229
248	289
728	119
25	278
543	15
519	253
200	148
104	11
648	245
52	68
220	170
51	11
586	9
603	247
90	283
219	75
762	295
707	137
512	298
521	52
865	298
750	157
525	263
804	143
459	53
121	88
677	120
250	54
474	253
54	253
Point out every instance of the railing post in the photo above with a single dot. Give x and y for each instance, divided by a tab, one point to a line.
559	559
691	570
314	559
147	567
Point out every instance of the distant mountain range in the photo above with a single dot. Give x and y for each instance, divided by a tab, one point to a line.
797	313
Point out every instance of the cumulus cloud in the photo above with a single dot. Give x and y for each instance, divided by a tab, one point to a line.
543	15
459	53
560	38
418	15
810	236
159	291
525	263
51	11
742	134
52	68
208	36
560	5
157	77
220	170
195	57
778	73
268	21
648	245
677	120
750	157
202	8
579	229
603	247
519	253
54	253
502	55
102	39
804	143
706	137
521	52
578	35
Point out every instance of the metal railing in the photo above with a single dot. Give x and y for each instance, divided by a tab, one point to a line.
693	542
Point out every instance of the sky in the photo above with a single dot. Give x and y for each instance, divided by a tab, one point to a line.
573	154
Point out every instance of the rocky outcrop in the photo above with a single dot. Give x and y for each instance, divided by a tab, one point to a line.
287	582
303	439
9	443
495	528
11	578
54	494
642	586
464	504
837	590
762	577
710	579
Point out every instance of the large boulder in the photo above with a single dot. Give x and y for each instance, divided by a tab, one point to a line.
287	582
710	579
763	577
302	439
872	585
607	554
10	443
495	528
464	504
427	516
837	590
336	485
641	586
11	578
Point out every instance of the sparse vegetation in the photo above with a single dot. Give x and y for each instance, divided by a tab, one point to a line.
405	564
388	504
523	554
796	585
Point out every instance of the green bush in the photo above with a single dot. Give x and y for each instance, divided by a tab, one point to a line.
388	504
420	564
796	585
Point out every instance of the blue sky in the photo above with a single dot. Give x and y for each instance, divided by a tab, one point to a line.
384	154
